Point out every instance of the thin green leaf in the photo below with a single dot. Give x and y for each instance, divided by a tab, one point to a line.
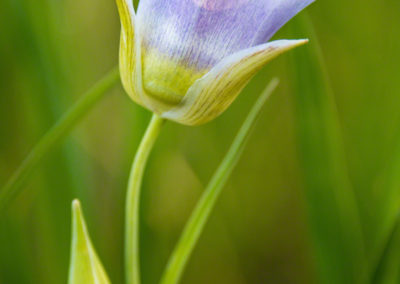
85	266
388	271
199	217
386	211
55	135
332	208
385	220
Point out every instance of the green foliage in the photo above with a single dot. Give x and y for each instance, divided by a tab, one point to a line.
52	51
59	131
333	212
388	270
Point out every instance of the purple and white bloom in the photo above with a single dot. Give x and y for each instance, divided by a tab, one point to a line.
187	60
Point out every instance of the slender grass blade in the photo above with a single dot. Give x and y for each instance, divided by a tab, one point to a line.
332	207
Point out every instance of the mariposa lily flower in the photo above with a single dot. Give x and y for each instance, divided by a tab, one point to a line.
187	60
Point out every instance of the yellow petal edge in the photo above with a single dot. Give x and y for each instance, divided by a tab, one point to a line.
127	54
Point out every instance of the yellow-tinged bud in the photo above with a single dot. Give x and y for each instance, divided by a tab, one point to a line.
188	62
85	266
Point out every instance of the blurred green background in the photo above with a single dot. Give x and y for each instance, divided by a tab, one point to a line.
51	51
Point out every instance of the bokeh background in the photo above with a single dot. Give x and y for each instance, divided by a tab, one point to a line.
51	51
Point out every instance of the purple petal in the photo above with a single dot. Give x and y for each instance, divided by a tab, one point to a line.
199	33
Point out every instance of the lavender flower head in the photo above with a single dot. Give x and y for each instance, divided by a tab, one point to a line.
187	60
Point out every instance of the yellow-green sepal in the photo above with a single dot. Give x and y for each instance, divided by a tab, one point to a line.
127	49
213	93
85	266
130	60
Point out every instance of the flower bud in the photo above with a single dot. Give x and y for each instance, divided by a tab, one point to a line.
85	266
187	60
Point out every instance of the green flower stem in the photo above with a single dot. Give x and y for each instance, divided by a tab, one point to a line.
55	135
132	267
198	219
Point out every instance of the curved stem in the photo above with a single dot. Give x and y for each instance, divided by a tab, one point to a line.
132	268
199	217
54	135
